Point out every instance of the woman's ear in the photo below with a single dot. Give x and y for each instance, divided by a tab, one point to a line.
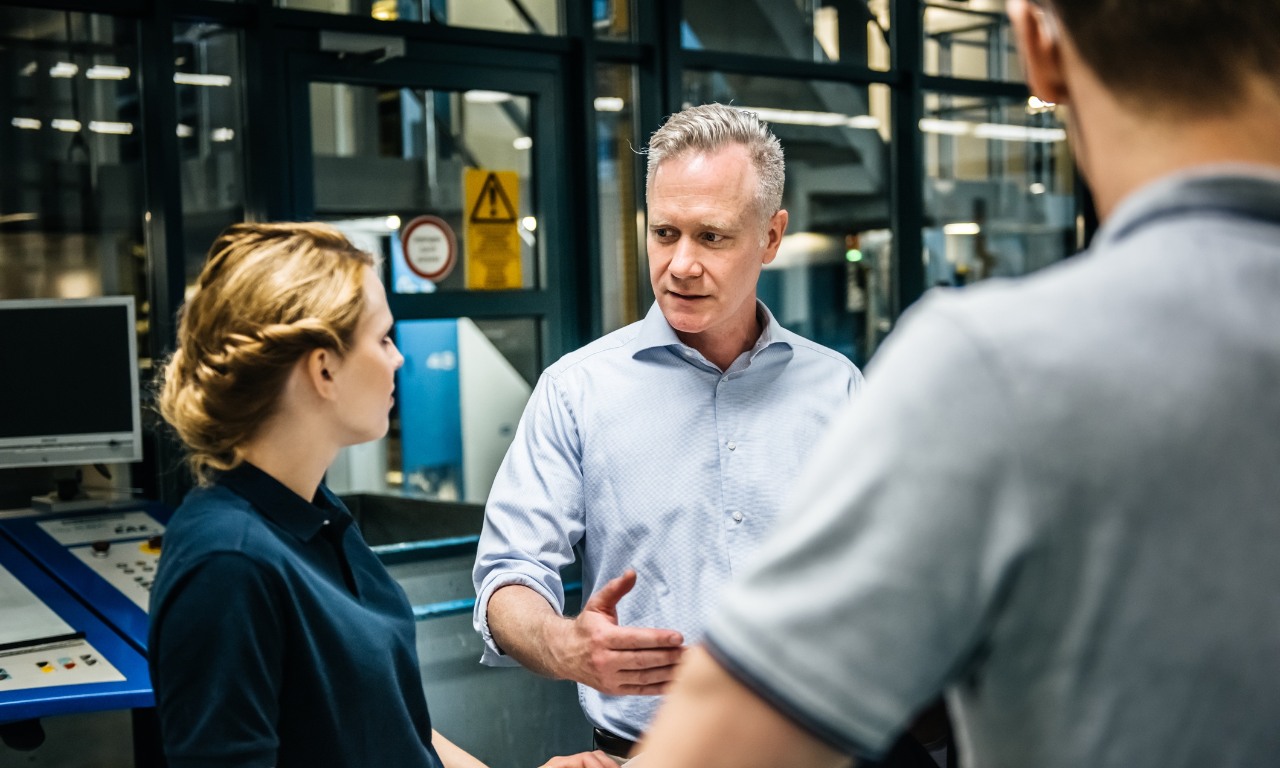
319	369
1040	47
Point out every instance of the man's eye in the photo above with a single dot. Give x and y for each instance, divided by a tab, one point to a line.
712	237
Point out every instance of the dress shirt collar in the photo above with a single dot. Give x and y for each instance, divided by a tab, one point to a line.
301	518
1234	189
656	332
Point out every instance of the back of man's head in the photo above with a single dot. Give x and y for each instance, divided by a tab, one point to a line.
709	127
1179	56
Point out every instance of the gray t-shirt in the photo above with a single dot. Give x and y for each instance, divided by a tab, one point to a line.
1058	500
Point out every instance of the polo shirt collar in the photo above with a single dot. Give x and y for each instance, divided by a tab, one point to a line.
274	501
1233	189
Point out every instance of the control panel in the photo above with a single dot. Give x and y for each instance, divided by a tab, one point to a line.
121	547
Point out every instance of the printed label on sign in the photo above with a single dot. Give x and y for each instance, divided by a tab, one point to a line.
430	248
492	240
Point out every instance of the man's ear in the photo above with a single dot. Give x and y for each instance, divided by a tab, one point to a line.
773	236
1040	44
319	369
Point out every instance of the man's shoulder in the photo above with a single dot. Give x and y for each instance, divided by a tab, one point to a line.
607	350
814	352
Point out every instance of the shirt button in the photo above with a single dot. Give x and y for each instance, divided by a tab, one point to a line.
731	445
737	516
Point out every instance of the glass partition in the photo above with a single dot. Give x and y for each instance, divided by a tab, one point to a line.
846	32
209	89
998	188
71	185
836	139
969	39
448	171
535	17
624	276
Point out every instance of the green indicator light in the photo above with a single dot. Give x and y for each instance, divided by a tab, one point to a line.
853	254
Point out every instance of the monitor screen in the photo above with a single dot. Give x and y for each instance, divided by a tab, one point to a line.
69	382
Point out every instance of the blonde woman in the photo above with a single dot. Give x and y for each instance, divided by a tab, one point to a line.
277	637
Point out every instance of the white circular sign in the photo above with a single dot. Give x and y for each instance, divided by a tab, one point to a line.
430	248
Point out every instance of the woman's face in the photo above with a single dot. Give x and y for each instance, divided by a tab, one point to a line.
366	377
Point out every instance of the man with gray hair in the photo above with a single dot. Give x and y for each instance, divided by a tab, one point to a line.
659	455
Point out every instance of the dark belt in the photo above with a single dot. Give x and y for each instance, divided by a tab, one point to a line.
612	743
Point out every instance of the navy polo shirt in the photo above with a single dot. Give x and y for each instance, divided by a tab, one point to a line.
278	638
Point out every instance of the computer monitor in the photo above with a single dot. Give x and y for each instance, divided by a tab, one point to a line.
69	382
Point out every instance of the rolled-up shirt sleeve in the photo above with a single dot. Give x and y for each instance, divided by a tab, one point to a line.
535	515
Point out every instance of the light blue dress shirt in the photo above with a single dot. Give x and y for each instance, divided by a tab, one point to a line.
643	454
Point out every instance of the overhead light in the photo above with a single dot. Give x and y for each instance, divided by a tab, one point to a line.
948	127
609	104
529	223
185	131
63	69
192	78
822	119
222	134
486	97
26	123
107	72
384	10
29	70
14	218
1004	132
1036	188
61	124
961	228
993	131
522	142
102	126
393	222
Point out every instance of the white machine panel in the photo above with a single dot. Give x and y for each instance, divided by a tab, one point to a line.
121	547
68	662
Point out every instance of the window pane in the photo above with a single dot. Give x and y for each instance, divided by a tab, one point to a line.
448	171
836	140
536	17
623	274
71	186
460	394
208	84
847	32
969	39
998	189
613	19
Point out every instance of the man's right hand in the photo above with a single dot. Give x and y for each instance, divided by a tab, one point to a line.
623	661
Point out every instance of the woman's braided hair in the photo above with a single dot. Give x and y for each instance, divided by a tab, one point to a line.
268	295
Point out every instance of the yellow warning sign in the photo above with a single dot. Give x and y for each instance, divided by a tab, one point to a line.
492	241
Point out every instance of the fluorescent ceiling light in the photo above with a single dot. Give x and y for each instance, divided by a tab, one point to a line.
609	104
191	78
14	218
63	69
522	142
1003	132
29	70
107	72
948	127
119	129
26	123
185	131
961	228
486	97
1036	188
822	119
222	134
60	124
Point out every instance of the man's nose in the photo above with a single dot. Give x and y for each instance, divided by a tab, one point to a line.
684	261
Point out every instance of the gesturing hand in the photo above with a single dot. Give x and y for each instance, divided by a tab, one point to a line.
595	759
613	659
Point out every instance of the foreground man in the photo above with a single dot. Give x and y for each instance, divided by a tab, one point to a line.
1084	556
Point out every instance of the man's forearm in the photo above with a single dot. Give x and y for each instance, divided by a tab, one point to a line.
521	621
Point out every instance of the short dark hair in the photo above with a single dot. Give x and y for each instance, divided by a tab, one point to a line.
1175	54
